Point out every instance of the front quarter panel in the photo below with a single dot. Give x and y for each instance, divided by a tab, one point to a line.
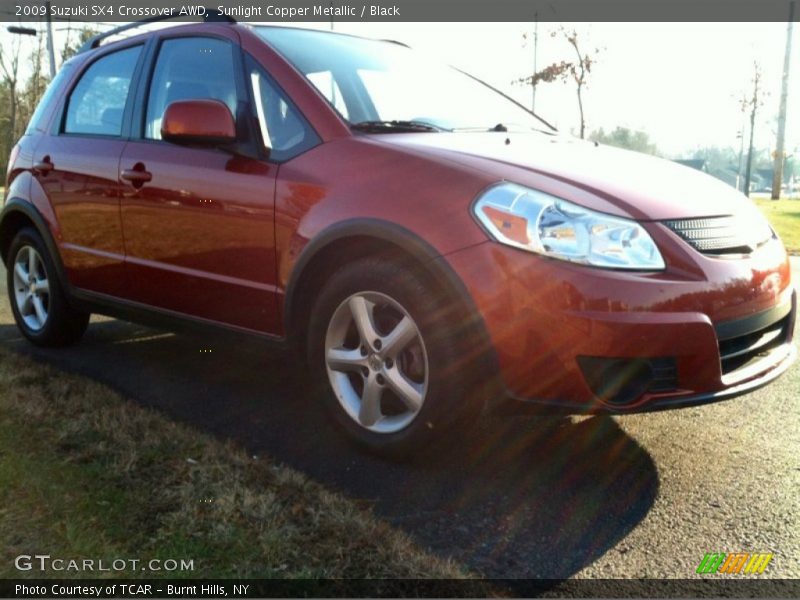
354	178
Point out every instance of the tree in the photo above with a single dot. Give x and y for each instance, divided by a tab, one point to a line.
9	93
71	47
622	137
19	97
576	71
754	102
31	91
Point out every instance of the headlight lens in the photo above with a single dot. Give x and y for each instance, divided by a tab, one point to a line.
534	221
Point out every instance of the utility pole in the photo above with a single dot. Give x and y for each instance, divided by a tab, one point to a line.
741	156
51	53
740	137
777	169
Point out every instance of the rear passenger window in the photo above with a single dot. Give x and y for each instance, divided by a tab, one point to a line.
190	69
97	102
50	95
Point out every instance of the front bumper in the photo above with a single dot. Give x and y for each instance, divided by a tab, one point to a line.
782	360
714	328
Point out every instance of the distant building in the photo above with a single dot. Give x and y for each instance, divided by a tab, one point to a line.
694	163
727	174
761	180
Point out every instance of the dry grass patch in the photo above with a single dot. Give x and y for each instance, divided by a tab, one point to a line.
88	474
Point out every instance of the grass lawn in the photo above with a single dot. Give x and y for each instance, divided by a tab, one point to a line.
785	218
88	474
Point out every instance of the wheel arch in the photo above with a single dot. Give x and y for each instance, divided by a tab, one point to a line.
18	214
357	238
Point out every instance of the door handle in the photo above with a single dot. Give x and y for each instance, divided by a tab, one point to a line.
44	166
137	176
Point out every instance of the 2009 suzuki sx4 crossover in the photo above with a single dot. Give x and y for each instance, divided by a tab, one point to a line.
432	249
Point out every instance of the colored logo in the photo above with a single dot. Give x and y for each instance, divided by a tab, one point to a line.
740	563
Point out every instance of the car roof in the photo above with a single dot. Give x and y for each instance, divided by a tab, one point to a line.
324	32
96	41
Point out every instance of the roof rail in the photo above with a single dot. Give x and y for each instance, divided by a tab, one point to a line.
210	16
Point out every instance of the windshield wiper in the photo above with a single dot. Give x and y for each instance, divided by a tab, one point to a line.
394	126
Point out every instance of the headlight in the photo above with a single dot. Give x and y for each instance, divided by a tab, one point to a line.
534	221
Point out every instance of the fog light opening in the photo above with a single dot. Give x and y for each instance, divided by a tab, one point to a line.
622	381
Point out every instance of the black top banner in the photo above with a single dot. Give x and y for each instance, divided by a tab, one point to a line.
404	10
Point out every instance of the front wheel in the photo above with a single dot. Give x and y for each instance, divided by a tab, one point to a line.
381	337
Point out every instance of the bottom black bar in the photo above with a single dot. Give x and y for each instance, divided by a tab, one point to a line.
725	587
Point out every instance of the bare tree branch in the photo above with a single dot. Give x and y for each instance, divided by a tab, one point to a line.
576	71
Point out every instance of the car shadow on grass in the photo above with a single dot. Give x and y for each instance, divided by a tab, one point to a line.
518	497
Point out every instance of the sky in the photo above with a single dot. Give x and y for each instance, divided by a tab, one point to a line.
678	82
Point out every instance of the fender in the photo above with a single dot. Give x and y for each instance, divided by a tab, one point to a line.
377	229
16	206
399	236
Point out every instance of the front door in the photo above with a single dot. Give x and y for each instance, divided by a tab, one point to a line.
198	227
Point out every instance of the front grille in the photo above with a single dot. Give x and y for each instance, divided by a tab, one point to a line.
722	235
738	352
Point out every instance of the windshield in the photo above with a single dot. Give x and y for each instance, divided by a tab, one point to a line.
374	82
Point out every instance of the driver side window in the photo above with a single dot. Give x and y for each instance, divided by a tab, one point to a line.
190	69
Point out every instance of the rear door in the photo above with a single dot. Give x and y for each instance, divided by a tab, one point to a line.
77	165
199	233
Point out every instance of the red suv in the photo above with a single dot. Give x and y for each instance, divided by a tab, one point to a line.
434	248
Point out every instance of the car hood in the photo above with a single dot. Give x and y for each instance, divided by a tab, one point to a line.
627	183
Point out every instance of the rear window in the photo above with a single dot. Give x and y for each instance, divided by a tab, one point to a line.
50	95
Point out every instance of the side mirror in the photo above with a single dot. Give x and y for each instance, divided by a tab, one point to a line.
204	122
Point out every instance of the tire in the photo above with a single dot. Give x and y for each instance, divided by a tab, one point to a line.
417	368
38	301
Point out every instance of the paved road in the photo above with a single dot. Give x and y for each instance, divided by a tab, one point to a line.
638	496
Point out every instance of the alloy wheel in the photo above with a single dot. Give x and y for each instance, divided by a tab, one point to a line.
31	288
376	361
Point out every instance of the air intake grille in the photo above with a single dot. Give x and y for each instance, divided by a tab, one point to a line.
737	352
722	235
